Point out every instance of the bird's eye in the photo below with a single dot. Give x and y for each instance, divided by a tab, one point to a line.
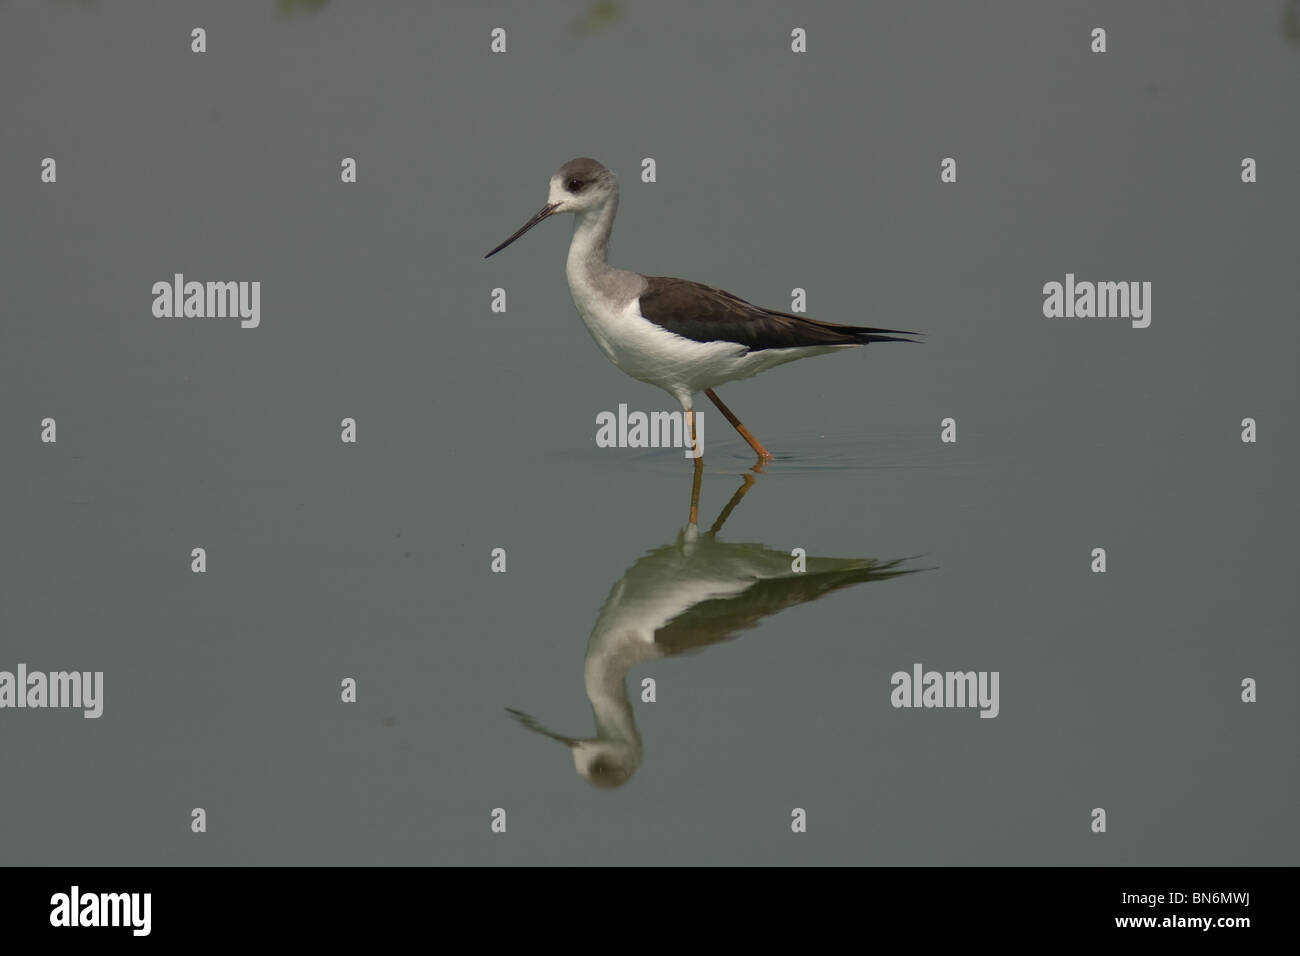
573	185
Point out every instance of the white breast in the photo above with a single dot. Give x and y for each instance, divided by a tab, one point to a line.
650	353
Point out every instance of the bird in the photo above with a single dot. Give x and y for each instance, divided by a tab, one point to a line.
682	336
684	596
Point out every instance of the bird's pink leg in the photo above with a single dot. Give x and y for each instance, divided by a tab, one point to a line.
699	471
763	453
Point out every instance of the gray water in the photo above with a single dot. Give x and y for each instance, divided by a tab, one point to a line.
476	431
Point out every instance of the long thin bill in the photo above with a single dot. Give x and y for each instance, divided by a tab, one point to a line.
534	726
541	214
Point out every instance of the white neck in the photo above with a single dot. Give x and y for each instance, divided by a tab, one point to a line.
605	676
590	241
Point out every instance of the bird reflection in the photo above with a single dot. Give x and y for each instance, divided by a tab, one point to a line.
685	596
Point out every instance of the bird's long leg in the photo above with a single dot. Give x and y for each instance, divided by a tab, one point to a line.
746	482
699	472
763	453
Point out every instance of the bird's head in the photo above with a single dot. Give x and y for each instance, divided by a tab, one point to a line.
601	761
579	186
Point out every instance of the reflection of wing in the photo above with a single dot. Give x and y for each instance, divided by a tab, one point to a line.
717	619
683	597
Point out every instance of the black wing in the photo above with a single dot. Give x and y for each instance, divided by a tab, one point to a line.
705	314
718	619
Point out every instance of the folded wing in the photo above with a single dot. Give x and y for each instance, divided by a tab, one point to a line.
705	314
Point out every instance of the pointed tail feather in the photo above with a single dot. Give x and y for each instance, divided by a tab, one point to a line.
865	334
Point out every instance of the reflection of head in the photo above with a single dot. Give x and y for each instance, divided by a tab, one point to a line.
603	762
606	763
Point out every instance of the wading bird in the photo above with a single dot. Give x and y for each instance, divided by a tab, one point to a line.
682	336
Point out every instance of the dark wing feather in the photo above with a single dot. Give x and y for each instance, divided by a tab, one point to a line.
718	619
705	314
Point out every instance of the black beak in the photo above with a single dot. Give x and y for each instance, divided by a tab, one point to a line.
545	211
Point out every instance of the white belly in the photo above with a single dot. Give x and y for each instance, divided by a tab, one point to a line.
680	366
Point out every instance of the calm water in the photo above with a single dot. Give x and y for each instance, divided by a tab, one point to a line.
476	431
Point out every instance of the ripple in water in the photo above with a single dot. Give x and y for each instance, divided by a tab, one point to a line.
796	454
